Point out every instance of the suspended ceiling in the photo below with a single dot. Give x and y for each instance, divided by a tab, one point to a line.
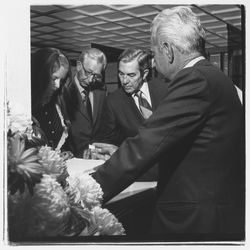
71	28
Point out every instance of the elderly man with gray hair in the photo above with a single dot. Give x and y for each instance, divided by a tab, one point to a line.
199	128
84	97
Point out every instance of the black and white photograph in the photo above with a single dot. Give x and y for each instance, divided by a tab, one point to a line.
124	124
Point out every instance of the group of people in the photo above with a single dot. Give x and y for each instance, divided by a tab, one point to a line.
75	111
188	130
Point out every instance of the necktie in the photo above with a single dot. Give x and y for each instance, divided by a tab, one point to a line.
144	106
87	104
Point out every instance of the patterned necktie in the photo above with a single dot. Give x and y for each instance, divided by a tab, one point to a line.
87	104
144	106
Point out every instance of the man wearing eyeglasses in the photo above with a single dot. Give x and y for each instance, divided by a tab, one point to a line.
85	97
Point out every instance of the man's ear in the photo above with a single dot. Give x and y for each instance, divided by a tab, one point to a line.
78	66
145	74
168	50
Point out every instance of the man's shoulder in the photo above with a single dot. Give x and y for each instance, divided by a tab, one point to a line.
116	95
100	91
158	87
157	83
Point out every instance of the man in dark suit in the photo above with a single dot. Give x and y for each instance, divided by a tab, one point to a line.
122	115
199	127
85	97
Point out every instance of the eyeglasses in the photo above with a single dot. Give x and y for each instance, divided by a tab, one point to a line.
89	73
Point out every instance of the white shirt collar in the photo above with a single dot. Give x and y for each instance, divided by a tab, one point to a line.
194	61
144	89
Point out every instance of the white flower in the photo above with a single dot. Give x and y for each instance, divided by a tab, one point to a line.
23	164
54	165
45	213
84	189
105	223
18	120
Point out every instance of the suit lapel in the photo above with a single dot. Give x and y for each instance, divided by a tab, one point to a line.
129	101
98	96
152	95
80	107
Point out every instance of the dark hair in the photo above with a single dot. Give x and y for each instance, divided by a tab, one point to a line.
143	57
44	63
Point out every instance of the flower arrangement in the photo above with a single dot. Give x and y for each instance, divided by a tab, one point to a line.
43	200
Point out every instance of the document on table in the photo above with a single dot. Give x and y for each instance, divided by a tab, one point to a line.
134	188
76	165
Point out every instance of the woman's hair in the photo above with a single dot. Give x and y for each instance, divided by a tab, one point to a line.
44	63
181	28
143	57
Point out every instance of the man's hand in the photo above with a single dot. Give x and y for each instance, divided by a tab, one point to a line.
103	151
66	155
87	154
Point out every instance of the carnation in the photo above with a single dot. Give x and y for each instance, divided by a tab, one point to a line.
23	165
85	190
105	223
45	213
53	163
17	120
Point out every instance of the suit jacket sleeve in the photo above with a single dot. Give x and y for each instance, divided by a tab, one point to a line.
179	117
110	131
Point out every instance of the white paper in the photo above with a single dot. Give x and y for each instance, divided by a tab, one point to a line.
77	165
133	189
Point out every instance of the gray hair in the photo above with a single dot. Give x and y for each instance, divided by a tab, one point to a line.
94	54
179	26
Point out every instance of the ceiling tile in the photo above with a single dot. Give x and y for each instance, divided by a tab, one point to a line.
51	43
35	40
67	25
68	15
34	33
106	35
89	21
109	26
92	9
66	40
84	38
85	32
121	39
115	16
33	25
45	29
48	37
44	8
44	19
133	22
137	11
125	7
67	33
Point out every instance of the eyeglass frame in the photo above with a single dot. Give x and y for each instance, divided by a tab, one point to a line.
88	73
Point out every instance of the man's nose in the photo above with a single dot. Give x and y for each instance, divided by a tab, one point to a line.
153	63
57	83
125	80
91	78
